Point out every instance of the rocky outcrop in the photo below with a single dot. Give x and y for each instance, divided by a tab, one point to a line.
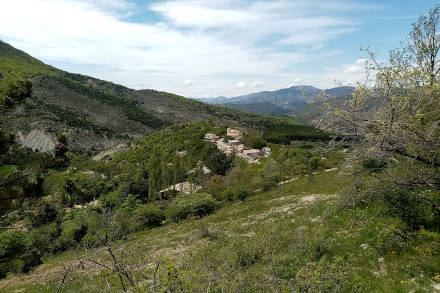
110	152
37	140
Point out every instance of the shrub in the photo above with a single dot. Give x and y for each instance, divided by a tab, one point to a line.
12	243
45	212
417	208
16	254
85	187
71	235
195	205
324	276
314	162
237	193
390	236
254	141
373	165
43	238
219	163
17	91
148	215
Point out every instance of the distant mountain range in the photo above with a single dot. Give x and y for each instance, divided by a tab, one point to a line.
281	101
258	108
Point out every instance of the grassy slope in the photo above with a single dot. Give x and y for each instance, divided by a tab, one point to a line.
15	63
293	238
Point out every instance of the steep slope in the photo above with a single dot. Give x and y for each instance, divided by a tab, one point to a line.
294	239
97	114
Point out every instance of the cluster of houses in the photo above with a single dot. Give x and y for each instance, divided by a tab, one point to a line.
234	146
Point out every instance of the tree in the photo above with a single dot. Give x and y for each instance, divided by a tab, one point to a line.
17	91
403	134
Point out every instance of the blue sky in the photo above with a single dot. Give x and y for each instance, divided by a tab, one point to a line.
205	48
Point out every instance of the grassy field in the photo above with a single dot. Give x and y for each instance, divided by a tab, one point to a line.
295	238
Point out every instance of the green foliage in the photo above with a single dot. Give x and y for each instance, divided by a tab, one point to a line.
192	205
148	215
284	134
5	141
373	165
417	208
84	227
219	163
43	239
237	193
85	187
391	236
254	141
15	253
17	91
324	276
314	162
44	212
127	105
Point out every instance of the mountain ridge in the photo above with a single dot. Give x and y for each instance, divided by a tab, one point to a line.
306	92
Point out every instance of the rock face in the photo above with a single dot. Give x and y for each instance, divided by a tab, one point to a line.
37	140
110	152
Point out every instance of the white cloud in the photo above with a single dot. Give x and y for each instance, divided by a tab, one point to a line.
121	6
256	84
358	67
214	42
241	85
189	82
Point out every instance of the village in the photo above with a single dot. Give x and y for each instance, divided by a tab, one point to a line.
232	145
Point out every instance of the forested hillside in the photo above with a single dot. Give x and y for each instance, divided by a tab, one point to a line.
96	114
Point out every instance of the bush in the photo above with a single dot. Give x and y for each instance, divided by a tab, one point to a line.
148	215
314	162
44	237
219	163
237	193
85	226
390	236
17	91
16	254
417	207
254	141
85	187
45	212
195	205
373	165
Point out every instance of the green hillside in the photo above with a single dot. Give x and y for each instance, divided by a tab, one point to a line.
108	189
258	108
97	114
296	237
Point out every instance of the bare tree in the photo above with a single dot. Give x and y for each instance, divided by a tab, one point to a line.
404	131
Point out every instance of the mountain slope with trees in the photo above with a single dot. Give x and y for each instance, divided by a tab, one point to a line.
96	114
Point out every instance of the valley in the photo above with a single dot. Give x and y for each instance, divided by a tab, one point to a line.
105	188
